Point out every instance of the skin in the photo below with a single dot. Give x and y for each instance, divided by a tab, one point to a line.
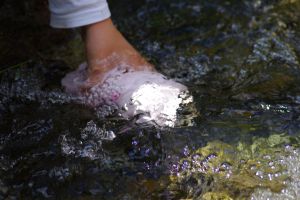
102	40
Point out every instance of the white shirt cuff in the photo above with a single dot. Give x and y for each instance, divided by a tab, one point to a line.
79	16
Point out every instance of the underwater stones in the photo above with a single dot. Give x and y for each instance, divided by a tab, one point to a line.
59	173
216	196
270	48
92	129
89	145
234	171
269	71
27	84
271	85
292	189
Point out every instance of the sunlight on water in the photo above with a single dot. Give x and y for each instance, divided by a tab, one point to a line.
89	145
148	96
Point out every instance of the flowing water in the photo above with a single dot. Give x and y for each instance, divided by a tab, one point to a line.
239	59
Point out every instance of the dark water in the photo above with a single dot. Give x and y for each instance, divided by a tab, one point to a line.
240	60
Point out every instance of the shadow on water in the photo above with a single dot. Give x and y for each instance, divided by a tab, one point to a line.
240	60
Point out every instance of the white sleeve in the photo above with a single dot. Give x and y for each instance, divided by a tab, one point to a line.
76	13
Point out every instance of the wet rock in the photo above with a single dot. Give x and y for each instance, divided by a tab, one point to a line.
232	171
216	196
291	191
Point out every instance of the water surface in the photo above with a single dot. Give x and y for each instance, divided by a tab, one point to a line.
240	60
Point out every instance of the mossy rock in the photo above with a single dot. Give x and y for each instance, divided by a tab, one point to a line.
216	196
223	171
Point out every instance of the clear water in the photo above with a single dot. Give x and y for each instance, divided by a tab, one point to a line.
240	60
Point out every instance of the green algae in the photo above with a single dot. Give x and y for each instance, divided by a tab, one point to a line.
216	196
223	171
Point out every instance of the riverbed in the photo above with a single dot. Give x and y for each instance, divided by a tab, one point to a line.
240	61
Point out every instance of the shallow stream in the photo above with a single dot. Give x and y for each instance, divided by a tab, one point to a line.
239	59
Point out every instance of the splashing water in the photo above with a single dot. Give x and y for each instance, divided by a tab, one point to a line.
149	95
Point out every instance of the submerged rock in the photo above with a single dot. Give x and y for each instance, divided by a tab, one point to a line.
292	189
223	171
216	196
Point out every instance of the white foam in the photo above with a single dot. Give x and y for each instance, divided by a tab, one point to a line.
146	94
